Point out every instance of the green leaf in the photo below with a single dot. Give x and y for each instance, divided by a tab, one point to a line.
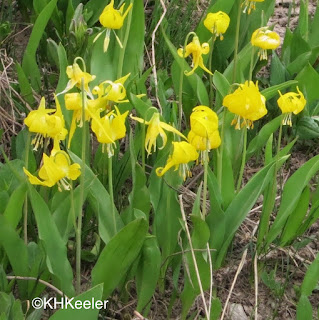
308	128
29	63
24	84
278	71
148	272
13	212
314	30
273	91
291	194
308	82
304	309
100	202
221	83
242	204
94	294
57	260
262	137
311	278
118	255
16	251
134	49
296	218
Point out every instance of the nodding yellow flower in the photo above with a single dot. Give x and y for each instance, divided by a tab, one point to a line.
247	103
204	121
250	5
213	141
155	128
112	91
112	18
56	169
217	23
195	49
73	101
75	74
45	124
109	128
265	39
183	153
289	103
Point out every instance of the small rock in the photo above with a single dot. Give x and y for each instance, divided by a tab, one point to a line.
237	312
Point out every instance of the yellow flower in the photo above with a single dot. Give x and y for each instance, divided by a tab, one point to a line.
265	39
75	74
247	103
155	128
196	50
109	128
46	125
73	102
289	103
204	121
112	18
202	143
183	153
217	23
250	5
112	91
36	120
56	169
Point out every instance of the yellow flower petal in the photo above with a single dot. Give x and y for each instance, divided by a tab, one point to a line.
112	18
247	103
217	23
195	49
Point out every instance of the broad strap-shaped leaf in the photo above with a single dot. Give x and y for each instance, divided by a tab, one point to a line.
148	272
92	295
109	220
291	194
118	255
29	63
243	203
57	260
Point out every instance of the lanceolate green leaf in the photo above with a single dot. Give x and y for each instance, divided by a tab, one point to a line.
242	204
148	272
13	212
291	194
263	135
93	294
29	63
311	278
99	199
57	260
118	255
16	251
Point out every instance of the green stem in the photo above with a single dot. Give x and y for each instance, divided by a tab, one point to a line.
122	50
110	175
279	139
25	205
220	151
143	146
79	224
206	160
243	161
236	41
251	63
210	68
